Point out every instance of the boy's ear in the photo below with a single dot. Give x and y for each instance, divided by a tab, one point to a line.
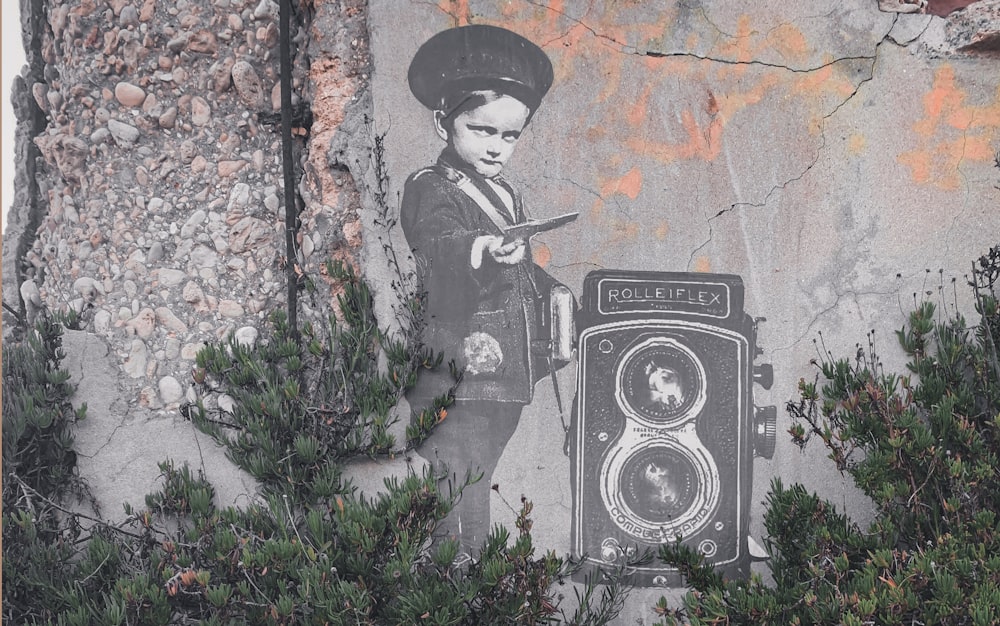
439	125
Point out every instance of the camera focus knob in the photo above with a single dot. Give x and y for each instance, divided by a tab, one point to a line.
765	431
611	550
763	375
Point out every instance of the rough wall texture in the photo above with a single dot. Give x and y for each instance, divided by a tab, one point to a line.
150	198
828	155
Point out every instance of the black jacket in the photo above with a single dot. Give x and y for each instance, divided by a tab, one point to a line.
488	317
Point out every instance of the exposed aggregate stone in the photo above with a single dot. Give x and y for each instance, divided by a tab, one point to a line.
165	227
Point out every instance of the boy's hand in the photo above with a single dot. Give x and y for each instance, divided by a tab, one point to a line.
509	253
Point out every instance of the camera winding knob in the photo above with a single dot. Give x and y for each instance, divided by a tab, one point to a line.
765	428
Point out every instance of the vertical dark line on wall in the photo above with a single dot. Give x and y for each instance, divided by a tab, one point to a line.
288	166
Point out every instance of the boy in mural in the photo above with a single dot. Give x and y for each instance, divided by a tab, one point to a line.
484	296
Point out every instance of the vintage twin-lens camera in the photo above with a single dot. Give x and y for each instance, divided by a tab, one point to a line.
665	429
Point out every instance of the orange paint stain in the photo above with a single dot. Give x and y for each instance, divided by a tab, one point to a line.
541	254
703	143
630	184
856	143
740	47
702	264
950	133
638	113
730	103
788	41
823	81
457	9
621	232
595	211
919	163
662	231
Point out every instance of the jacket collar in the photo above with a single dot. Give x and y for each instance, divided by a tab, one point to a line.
455	168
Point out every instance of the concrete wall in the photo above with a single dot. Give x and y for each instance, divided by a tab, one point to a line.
837	157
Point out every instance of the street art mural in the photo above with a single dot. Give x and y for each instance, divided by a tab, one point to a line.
685	170
467	226
664	429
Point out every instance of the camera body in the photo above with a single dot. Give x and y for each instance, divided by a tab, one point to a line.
664	428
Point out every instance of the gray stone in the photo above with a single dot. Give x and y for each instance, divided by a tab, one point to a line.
192	224
239	196
192	293
226	403
172	348
170	321
204	257
30	293
266	10
129	16
102	321
168	119
179	42
171	277
188	150
248	86
221	73
155	252
230	309
272	203
87	287
135	362
124	134
170	390
246	336
201	111
143	324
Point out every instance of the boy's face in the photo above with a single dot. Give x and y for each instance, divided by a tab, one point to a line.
485	137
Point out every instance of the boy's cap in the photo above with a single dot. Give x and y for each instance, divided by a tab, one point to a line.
476	58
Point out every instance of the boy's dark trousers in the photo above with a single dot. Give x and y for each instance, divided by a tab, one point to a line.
472	437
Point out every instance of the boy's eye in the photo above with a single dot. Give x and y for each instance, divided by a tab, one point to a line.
482	131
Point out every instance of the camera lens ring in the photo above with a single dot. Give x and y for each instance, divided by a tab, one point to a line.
660	382
661	488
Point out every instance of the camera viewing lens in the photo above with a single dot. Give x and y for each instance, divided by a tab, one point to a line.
661	381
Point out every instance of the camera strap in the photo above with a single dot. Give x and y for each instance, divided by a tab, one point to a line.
559	405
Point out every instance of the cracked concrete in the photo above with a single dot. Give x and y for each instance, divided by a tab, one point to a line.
113	441
828	156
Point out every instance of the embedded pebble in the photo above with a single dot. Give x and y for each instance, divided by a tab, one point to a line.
171	277
136	361
124	134
201	112
192	223
102	321
246	336
167	318
170	390
230	308
129	95
248	86
143	324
